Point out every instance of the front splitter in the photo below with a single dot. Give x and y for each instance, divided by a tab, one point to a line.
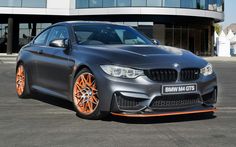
165	114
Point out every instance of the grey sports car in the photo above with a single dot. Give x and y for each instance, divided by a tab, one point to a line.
105	68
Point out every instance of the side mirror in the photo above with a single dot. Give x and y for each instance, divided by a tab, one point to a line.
60	43
156	42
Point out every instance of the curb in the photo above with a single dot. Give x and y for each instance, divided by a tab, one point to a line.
8	59
221	59
11	58
8	55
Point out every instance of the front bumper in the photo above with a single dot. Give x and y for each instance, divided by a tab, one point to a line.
142	97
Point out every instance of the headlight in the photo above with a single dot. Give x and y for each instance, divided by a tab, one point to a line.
208	70
121	72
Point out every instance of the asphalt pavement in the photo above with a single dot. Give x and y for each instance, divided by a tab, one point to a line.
48	121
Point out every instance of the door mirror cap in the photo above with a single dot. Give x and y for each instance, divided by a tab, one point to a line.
156	42
60	43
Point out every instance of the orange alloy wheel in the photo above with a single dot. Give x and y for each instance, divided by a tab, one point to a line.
20	80
85	94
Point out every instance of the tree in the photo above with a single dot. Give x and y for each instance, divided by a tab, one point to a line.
218	28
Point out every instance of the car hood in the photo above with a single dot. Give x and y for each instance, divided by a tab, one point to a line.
146	56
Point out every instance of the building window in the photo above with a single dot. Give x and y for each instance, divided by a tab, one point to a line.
123	3
109	3
177	36
25	30
154	3
171	3
41	26
10	3
219	4
138	3
3	38
169	35
95	3
212	5
34	3
82	3
201	4
24	3
188	4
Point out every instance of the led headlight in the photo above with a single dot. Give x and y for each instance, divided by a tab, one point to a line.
121	72
208	70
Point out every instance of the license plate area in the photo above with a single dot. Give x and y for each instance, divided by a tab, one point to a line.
179	89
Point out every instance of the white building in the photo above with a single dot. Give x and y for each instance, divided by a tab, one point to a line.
186	24
223	45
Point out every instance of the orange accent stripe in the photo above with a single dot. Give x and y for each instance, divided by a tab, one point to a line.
165	114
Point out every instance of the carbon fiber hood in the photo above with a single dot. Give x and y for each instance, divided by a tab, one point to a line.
147	56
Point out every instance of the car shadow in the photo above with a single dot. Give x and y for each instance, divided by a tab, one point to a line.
148	120
160	120
66	104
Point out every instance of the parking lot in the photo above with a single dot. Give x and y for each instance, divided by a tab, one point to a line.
49	121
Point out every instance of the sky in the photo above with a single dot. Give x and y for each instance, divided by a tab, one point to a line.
230	12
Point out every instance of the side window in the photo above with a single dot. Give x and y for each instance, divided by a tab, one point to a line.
42	38
58	32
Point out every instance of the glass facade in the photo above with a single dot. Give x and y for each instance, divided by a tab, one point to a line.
34	3
189	37
123	3
26	32
201	4
10	3
3	38
24	3
138	3
188	4
109	3
195	38
212	5
154	3
95	3
82	3
171	3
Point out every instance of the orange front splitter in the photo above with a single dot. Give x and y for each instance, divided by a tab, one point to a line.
165	114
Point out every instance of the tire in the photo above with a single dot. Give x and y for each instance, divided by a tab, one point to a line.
209	115
85	96
22	86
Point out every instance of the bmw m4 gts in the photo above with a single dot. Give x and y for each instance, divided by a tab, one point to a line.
105	68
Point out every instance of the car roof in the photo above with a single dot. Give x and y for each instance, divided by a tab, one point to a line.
72	23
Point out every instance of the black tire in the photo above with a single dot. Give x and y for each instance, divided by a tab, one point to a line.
26	90
209	115
96	113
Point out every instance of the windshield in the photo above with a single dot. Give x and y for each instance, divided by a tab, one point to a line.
108	34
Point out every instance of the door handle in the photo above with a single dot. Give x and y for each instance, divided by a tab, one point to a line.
40	51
